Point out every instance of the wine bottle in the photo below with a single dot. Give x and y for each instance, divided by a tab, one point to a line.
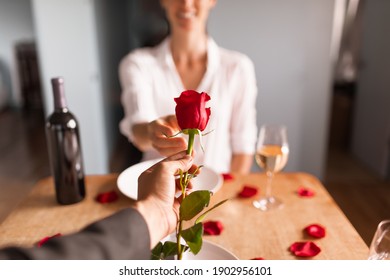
66	162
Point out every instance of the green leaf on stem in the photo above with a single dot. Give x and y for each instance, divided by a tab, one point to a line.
193	204
169	249
163	251
193	237
157	252
201	217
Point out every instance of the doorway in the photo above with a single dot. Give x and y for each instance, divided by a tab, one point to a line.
345	79
29	78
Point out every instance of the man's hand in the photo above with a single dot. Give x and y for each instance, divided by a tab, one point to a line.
156	195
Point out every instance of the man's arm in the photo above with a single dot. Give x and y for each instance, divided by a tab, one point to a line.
124	235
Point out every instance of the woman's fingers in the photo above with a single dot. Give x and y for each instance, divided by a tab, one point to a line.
165	142
160	131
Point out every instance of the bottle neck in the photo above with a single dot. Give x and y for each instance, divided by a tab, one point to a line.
59	94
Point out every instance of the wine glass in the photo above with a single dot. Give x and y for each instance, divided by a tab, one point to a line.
380	245
271	155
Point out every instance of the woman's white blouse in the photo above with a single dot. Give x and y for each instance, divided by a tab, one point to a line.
150	82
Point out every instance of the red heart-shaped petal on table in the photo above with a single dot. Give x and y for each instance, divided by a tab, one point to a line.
212	227
107	197
315	230
47	238
248	191
305	192
227	176
305	249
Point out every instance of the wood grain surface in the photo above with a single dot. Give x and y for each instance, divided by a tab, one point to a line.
248	232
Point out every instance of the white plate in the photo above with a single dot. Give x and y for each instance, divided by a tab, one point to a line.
127	181
210	251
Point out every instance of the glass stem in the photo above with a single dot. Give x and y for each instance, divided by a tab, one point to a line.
270	176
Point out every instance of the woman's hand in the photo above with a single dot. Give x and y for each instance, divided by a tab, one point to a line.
158	132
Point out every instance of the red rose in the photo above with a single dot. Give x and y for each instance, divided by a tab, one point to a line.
191	111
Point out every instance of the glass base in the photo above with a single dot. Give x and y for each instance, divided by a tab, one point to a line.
268	203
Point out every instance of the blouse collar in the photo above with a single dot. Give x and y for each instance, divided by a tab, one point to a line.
213	59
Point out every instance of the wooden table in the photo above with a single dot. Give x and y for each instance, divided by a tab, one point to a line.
248	232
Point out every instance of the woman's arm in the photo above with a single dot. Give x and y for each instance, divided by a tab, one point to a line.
241	163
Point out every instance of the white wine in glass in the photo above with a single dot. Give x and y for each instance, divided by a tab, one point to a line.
271	155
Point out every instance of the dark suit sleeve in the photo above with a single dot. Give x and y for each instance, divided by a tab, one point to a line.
124	235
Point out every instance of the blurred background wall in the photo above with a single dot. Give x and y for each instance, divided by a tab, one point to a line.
290	43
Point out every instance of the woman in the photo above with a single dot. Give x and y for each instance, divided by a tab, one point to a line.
190	59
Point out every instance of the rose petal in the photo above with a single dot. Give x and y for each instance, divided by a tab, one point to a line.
258	258
212	228
305	249
305	192
315	230
47	238
227	176
247	191
107	197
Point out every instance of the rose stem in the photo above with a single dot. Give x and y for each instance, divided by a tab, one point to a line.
191	138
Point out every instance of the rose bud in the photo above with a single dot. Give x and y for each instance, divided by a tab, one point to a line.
191	111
